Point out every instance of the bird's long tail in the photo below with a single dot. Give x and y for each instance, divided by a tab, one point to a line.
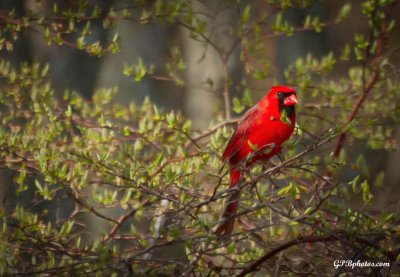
228	217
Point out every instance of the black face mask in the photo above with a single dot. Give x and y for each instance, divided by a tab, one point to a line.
289	109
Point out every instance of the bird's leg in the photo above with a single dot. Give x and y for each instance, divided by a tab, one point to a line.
276	161
280	157
266	164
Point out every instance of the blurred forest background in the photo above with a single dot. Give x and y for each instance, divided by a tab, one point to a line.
210	69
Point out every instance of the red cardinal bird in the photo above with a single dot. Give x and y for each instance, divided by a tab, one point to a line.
258	136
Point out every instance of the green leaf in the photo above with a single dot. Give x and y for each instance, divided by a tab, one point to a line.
379	180
285	190
344	12
68	112
127	131
38	186
238	107
361	163
80	42
345	56
247	100
253	147
285	118
246	14
231	247
354	183
308	210
366	195
268	148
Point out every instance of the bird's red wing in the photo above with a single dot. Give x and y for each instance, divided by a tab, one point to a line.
241	133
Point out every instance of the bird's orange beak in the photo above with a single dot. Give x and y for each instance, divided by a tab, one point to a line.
291	100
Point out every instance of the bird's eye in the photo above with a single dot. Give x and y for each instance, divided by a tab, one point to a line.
280	94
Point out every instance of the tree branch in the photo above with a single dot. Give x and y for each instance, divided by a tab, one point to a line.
369	85
300	240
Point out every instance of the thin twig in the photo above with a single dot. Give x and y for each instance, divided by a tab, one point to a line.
299	240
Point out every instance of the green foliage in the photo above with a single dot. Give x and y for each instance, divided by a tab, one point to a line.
102	188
